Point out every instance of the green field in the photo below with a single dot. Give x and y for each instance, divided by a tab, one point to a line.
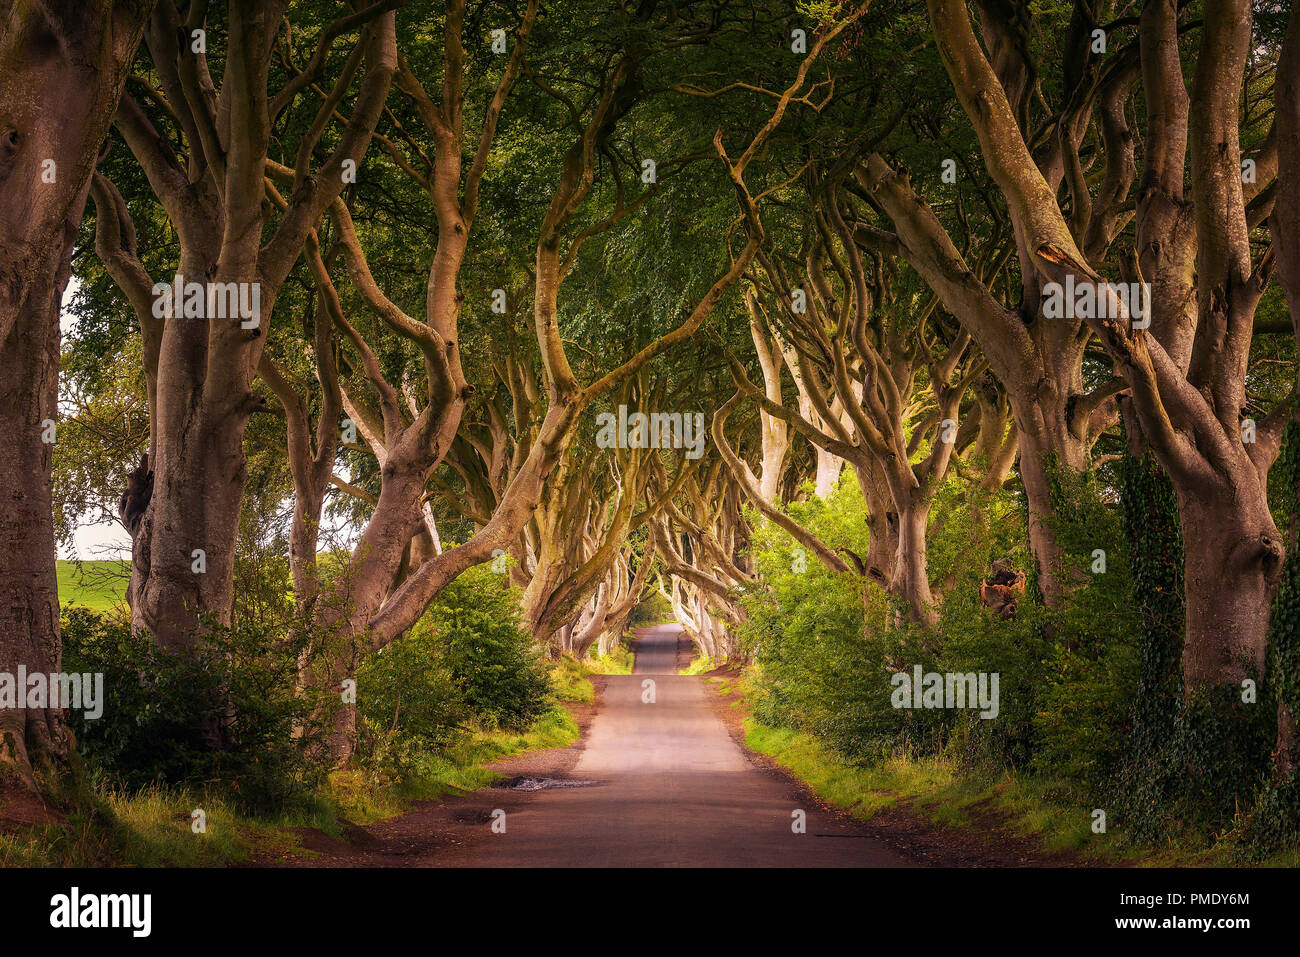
97	585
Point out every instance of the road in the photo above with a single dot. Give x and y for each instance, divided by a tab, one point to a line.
668	787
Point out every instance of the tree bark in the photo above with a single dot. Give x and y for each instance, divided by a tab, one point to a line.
29	603
1233	554
62	68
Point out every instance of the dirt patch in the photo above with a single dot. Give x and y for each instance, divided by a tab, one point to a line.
991	843
315	840
21	808
432	830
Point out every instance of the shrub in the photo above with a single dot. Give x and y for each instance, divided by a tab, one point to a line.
487	652
408	702
225	716
467	660
826	644
818	670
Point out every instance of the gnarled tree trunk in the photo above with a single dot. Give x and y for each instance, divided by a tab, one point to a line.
62	67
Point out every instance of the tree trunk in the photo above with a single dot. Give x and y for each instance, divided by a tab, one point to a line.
911	581
593	627
1046	443
207	363
828	472
184	555
1233	558
304	538
62	67
882	523
341	637
29	603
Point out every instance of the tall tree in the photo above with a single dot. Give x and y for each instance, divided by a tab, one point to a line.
203	360
62	68
1038	358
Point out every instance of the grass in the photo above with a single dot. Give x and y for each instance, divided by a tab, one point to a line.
933	788
569	675
97	585
619	661
699	665
153	827
458	770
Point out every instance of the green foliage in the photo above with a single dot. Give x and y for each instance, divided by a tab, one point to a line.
468	662
655	610
1274	821
806	629
97	585
1223	746
1091	656
826	646
1284	634
486	651
408	704
1188	765
228	716
1151	773
619	661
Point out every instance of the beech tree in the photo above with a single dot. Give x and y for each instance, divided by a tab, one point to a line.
62	69
202	366
411	286
381	594
1037	359
1186	375
704	542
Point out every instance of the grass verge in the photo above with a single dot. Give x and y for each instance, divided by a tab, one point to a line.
1049	813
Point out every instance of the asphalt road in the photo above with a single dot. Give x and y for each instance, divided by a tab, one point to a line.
670	788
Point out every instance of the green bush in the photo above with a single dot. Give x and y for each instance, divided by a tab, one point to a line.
487	652
408	702
818	671
228	716
467	661
827	644
1092	660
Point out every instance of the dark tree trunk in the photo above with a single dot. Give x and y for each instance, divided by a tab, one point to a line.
1233	557
62	67
29	601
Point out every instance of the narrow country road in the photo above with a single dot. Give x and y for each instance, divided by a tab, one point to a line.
668	787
